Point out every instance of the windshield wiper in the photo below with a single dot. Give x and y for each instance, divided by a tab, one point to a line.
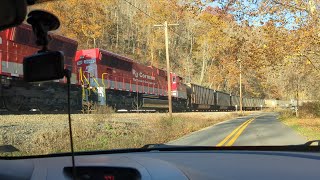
149	146
307	147
8	149
310	143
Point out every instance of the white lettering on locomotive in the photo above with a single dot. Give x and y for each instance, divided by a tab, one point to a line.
142	75
135	73
89	61
143	81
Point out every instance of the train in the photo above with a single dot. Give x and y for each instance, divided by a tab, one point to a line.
104	78
17	95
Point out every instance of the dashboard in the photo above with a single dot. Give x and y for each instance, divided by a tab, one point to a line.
222	165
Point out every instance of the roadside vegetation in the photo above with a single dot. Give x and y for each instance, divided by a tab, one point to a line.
44	134
307	123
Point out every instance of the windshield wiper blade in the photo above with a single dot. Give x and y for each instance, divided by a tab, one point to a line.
8	149
309	143
149	146
297	148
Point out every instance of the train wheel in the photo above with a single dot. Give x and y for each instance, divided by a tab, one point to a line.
13	103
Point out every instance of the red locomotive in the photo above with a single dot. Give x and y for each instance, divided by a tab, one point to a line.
16	95
124	84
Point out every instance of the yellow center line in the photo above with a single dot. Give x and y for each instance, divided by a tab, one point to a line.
232	133
235	137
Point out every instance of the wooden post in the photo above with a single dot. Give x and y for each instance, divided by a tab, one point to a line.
165	25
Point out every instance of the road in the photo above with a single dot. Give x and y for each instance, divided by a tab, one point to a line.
253	130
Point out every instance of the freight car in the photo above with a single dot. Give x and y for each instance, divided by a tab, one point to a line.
235	102
223	100
17	95
202	98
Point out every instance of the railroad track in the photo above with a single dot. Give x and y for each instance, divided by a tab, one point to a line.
36	111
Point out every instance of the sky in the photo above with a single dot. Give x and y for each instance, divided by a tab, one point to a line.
259	20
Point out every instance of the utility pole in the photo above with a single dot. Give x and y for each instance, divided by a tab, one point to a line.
165	25
240	82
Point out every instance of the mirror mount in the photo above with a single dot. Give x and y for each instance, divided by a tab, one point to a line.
45	65
42	22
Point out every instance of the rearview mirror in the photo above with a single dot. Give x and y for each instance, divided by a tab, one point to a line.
44	66
12	13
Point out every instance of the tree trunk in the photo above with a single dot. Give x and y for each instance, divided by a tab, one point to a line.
152	52
189	59
88	42
204	62
117	31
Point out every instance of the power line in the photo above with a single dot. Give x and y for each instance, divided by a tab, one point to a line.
141	11
160	22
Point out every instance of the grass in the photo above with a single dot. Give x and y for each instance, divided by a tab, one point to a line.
45	134
305	126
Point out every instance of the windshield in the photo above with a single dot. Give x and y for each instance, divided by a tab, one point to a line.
175	72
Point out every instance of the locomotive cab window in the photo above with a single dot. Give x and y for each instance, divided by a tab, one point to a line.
181	80
116	63
162	73
24	36
174	79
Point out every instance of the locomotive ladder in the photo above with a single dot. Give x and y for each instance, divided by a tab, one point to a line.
88	84
85	84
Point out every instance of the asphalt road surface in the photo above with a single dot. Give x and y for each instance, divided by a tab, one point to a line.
253	130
